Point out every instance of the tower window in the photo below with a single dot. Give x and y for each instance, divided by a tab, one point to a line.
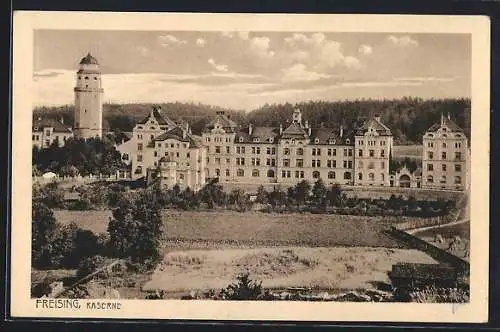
79	77
84	111
86	85
95	78
86	77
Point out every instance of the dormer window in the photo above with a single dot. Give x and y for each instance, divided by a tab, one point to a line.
347	141
36	128
316	140
458	135
140	127
241	139
445	136
293	140
256	139
271	139
86	77
152	128
331	141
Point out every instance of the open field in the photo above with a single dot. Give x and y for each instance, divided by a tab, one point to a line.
254	229
411	151
277	268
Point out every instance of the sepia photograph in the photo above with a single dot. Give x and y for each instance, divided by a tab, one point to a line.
263	165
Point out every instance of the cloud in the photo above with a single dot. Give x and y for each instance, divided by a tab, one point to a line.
259	46
222	68
200	42
426	79
404	41
316	51
169	40
365	49
299	72
144	50
243	35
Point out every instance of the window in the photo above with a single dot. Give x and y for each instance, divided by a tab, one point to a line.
444	145
443	179
349	152
360	153
217	149
360	176
458	145
371	165
47	132
256	139
430	155
240	161
316	163
228	149
299	163
156	153
458	156
458	180
382	164
458	167
286	151
286	162
360	164
316	175
382	176
228	160
331	175
125	156
270	173
443	167
331	163
227	172
139	157
430	144
300	151
255	161
138	170
360	142
188	155
316	152
430	167
372	153
268	150
349	163
152	137
345	164
217	161
240	172
217	172
371	177
32	137
443	155
430	179
255	173
273	150
172	145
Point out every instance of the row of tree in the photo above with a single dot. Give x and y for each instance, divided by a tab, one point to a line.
78	157
408	118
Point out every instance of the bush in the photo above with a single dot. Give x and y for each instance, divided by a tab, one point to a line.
243	289
89	265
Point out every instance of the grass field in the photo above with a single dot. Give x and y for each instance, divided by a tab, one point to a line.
205	229
277	268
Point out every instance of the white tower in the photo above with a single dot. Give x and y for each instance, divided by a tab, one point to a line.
88	99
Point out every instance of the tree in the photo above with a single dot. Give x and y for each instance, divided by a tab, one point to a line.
136	229
239	198
90	265
262	195
213	194
277	198
43	227
334	195
302	192
319	194
50	195
243	289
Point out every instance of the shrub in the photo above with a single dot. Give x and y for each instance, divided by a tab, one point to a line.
243	289
89	265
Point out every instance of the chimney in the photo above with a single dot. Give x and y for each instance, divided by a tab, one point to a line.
250	129
281	129
39	118
306	124
310	130
442	119
62	120
186	130
449	118
377	117
341	131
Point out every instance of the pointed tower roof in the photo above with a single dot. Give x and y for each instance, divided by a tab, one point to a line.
89	60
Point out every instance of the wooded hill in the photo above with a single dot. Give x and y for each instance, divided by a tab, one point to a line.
408	118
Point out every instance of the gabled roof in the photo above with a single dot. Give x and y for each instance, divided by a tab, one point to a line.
377	125
158	117
293	131
227	124
329	135
40	123
262	133
180	135
445	122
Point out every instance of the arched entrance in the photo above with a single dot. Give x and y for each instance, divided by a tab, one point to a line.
404	181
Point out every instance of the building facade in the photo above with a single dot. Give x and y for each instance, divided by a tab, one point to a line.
88	99
445	156
287	155
45	132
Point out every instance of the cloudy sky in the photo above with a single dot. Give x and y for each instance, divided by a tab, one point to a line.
244	70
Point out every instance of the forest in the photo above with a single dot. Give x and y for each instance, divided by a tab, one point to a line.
408	118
